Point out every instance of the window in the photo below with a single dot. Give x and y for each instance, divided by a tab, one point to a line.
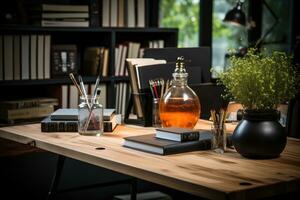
225	36
279	37
183	14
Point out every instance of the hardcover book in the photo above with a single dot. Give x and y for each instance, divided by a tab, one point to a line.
27	103
177	134
150	143
68	114
49	125
71	114
26	113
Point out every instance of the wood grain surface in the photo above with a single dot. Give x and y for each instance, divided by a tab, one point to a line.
203	173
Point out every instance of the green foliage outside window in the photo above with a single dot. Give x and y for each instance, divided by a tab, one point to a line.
184	15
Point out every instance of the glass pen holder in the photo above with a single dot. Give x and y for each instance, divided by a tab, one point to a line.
90	116
155	113
219	138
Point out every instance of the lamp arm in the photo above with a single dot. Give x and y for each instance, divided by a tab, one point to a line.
271	28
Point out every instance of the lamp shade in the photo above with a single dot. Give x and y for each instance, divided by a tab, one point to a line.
236	16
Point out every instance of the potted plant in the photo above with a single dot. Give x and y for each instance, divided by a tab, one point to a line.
260	81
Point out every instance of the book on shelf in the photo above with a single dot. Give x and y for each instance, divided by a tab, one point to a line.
150	143
40	56
8	57
64	8
26	113
123	13
64	23
33	57
95	9
27	103
17	60
93	61
58	15
50	125
25	56
177	134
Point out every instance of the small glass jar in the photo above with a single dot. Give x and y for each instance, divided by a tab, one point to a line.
155	113
219	138
90	116
179	106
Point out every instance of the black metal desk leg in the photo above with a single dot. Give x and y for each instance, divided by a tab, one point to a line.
56	177
133	189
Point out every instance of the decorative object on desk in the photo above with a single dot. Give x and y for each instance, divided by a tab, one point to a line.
177	134
259	82
218	131
179	106
150	143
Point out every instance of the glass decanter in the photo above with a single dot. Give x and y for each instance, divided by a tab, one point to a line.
179	106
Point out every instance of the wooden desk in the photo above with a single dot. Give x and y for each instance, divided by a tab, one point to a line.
202	173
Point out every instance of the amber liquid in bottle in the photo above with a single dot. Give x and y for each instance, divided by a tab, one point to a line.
179	106
174	113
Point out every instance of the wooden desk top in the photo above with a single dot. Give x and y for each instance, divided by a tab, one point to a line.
203	173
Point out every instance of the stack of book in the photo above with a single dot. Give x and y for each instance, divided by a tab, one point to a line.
64	15
123	13
26	109
170	141
66	120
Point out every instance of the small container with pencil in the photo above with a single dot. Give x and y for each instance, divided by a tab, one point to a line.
90	111
218	130
149	98
158	87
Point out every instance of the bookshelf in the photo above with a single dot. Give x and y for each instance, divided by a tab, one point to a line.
82	38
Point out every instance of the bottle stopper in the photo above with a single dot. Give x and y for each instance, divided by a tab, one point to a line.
180	65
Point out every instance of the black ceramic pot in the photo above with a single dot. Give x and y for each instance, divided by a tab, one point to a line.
259	134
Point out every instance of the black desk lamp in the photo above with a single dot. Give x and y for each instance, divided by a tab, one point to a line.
236	16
